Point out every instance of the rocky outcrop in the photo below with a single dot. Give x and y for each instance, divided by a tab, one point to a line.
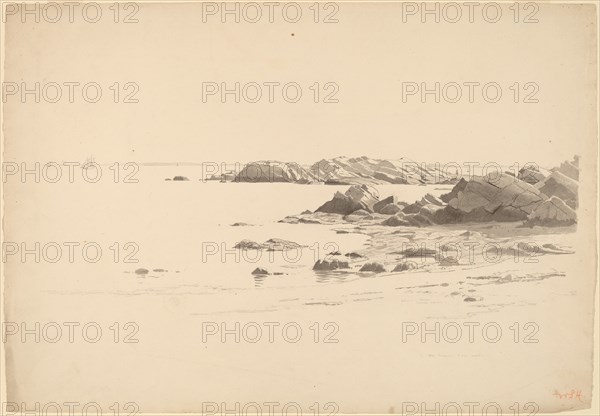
553	212
357	197
365	170
562	186
569	169
490	198
334	264
274	171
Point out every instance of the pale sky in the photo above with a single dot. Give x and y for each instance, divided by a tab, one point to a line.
369	54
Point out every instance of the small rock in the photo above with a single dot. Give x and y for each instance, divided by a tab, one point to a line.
248	245
330	265
354	255
260	271
142	271
372	267
180	178
401	267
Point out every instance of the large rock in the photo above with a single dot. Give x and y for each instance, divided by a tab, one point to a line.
357	197
560	185
553	212
384	202
454	192
494	197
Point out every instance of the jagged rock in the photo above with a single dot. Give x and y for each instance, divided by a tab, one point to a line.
490	198
570	169
413	208
560	185
553	212
372	267
459	187
306	212
402	267
384	202
361	170
333	264
431	199
390	209
532	174
357	197
260	271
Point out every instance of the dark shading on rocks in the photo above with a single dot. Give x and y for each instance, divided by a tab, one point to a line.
373	267
330	265
389	200
357	197
402	267
552	213
561	186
